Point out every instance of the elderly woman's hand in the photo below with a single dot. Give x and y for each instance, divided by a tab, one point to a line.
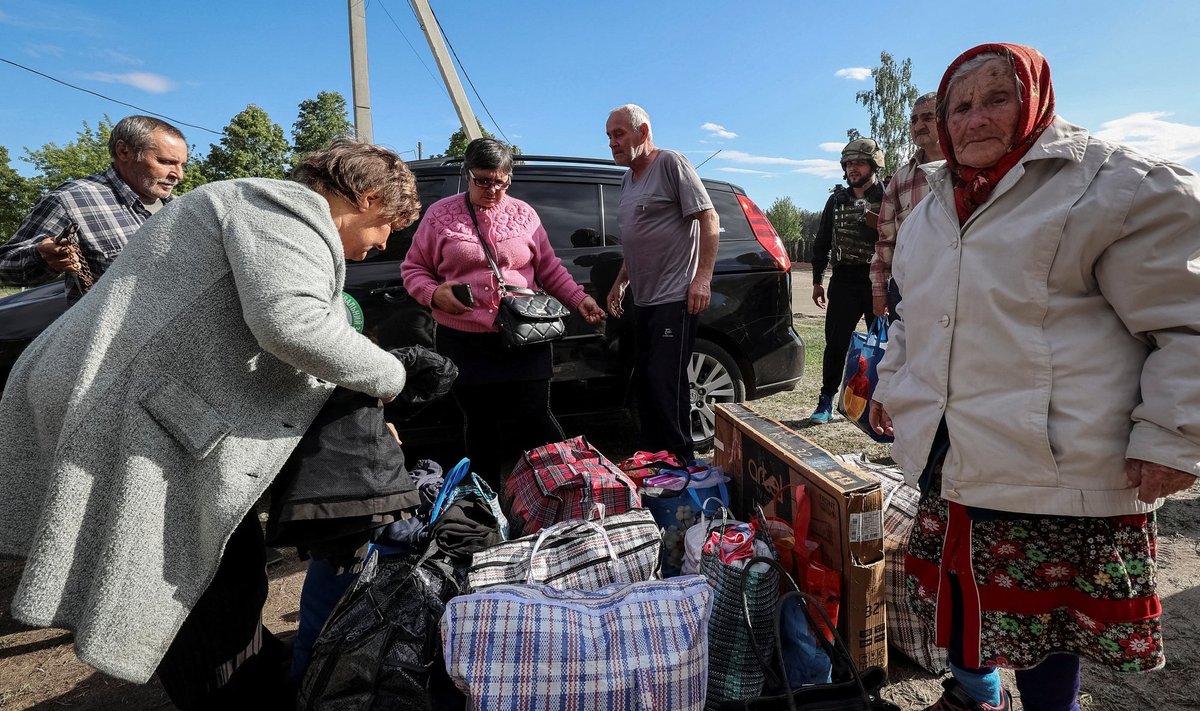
591	311
1156	481
445	300
880	420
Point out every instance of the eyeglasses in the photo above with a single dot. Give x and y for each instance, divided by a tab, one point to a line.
488	184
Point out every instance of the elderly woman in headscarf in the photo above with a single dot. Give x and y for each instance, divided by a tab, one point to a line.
139	430
1041	386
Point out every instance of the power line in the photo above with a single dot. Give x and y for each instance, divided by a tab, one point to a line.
410	44
711	157
109	98
468	76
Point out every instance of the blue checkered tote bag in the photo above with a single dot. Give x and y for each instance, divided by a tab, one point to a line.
625	646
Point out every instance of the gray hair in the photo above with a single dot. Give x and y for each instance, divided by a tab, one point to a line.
137	132
637	117
923	98
488	154
973	64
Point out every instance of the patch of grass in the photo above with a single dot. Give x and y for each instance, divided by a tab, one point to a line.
6	290
793	408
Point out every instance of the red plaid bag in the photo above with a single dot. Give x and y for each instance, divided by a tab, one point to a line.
560	482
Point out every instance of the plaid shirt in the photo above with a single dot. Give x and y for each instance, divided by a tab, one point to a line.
107	212
907	187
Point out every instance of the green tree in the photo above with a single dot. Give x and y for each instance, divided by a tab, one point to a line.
796	226
252	147
785	218
195	173
86	155
459	142
889	104
320	120
17	195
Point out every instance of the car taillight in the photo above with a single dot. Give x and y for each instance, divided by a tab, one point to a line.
765	233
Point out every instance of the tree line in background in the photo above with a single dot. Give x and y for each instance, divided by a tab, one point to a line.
251	146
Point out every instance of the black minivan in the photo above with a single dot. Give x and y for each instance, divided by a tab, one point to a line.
746	347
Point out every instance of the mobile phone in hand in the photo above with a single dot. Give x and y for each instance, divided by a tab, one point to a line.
462	292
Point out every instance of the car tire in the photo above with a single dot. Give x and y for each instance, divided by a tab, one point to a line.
713	376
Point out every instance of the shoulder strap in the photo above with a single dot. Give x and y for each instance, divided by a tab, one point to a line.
487	252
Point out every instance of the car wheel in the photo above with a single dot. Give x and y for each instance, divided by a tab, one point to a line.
714	377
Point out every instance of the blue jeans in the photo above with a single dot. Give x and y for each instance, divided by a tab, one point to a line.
323	587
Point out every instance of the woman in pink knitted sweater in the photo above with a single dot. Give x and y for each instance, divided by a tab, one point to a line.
504	393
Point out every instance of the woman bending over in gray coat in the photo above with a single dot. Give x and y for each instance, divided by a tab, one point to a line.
137	432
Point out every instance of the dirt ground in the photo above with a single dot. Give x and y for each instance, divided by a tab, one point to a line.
38	669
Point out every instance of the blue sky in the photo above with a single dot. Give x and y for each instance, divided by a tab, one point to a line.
769	83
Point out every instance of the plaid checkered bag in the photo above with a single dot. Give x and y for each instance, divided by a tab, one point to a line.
574	555
905	630
626	646
560	482
734	671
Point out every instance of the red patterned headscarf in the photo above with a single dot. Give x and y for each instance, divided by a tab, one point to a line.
973	186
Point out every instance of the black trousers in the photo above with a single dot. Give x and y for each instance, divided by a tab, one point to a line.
849	300
504	419
664	337
223	657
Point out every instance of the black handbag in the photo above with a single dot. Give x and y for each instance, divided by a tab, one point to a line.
850	690
526	316
381	647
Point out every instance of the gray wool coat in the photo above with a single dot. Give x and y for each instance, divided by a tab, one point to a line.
141	427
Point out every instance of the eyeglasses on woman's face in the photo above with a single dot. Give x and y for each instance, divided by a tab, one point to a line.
489	183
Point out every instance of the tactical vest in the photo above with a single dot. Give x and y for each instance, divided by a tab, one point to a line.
853	240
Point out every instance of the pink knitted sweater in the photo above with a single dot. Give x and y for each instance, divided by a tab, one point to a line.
446	248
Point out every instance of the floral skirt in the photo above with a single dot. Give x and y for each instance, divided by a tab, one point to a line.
1035	586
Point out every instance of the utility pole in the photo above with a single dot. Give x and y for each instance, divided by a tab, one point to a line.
434	35
358	70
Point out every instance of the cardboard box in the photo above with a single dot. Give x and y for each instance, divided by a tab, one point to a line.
762	456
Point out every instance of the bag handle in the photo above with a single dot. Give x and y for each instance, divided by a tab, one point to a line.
453	478
879	328
722	500
808	603
559	528
487	252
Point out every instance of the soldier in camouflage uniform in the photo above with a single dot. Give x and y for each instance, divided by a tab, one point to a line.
846	242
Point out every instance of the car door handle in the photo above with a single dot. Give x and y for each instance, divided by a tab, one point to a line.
390	294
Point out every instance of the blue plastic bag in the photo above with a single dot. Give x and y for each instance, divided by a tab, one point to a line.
677	508
859	379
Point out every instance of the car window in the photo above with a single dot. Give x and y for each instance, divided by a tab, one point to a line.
733	219
570	212
430	191
612	198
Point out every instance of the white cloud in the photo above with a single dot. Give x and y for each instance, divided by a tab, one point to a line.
853	73
717	131
821	168
832	147
1148	133
745	171
111	55
740	157
152	83
37	51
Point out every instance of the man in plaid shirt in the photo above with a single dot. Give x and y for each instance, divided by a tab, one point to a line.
148	157
907	187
